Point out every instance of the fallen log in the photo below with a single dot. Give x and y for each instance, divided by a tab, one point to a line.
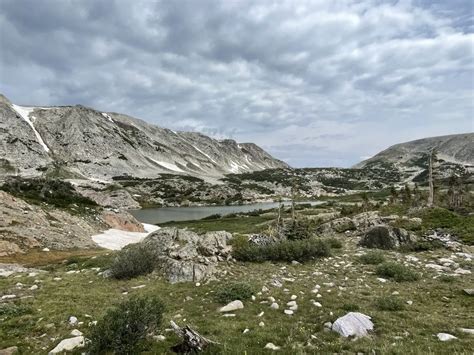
193	342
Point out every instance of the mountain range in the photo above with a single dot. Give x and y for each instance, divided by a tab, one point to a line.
81	142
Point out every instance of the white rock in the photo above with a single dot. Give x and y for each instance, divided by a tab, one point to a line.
68	345
261	324
317	304
294	307
288	311
232	306
253	298
445	337
395	293
260	314
271	299
409	303
274	305
138	287
34	287
45	249
246	330
381	280
318	295
353	324
271	346
435	267
57	279
7	297
294	297
72	320
467	330
460	271
229	315
291	303
76	333
265	289
159	337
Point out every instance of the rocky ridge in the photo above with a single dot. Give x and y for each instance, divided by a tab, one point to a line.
81	142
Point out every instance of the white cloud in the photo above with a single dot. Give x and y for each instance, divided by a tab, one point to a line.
319	82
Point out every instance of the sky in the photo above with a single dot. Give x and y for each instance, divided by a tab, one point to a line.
315	83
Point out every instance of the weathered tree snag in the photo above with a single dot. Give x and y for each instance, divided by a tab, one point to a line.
193	342
430	179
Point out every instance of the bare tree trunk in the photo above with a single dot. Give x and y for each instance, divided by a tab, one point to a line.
192	340
430	181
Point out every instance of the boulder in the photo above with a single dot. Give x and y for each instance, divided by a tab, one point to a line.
387	237
68	345
353	324
186	256
9	351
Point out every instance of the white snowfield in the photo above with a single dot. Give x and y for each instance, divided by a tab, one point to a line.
168	166
24	112
116	239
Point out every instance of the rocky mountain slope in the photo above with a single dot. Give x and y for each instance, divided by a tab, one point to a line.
455	153
77	141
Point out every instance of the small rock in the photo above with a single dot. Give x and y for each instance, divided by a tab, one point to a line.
72	320
271	299
271	346
274	305
159	337
68	345
261	324
294	262
45	249
291	303
445	337
34	287
460	271
57	279
138	287
467	330
469	291
260	314
317	304
7	297
409	303
253	298
246	330
381	280
288	312
294	297
76	333
328	325
395	293
232	306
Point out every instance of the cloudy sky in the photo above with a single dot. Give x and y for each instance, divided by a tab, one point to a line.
316	83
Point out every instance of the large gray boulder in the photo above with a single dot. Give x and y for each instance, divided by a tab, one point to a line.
186	256
387	237
353	324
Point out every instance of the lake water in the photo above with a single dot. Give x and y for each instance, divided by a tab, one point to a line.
167	214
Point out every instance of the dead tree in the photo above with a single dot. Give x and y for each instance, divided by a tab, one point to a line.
430	178
193	342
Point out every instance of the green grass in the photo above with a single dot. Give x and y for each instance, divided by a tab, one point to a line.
373	257
88	293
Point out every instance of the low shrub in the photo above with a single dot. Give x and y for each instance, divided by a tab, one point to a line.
447	278
334	243
233	291
132	261
397	272
372	258
14	309
300	250
299	229
350	307
389	303
123	327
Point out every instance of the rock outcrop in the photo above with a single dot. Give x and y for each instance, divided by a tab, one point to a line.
183	255
387	237
353	324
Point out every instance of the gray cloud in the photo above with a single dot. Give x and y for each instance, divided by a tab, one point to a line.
314	82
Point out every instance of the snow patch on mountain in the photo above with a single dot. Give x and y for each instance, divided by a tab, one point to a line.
25	112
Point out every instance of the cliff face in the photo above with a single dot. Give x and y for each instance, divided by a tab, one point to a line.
77	141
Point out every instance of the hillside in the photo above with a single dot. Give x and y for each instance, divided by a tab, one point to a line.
80	142
455	154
